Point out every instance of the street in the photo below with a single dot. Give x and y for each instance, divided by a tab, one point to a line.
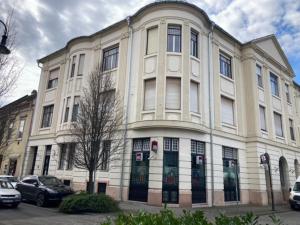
30	214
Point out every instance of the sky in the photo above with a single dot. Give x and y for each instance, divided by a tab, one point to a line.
44	26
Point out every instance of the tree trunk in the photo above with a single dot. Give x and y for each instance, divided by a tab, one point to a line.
91	182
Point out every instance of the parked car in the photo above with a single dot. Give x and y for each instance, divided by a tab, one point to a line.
13	180
295	195
43	189
8	194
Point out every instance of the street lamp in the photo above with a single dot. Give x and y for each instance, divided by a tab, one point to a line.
3	48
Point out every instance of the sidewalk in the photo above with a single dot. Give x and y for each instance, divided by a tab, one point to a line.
210	212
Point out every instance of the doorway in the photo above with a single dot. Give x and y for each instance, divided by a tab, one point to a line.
284	178
47	160
12	167
34	151
139	177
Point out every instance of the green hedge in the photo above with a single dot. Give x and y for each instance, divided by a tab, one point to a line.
167	217
83	202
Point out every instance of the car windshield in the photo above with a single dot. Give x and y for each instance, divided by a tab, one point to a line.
297	187
5	185
12	179
50	181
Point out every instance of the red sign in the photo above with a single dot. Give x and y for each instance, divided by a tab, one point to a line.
139	156
154	146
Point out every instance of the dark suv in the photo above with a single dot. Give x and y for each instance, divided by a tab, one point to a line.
43	189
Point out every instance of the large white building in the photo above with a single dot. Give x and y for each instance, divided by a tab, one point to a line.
212	104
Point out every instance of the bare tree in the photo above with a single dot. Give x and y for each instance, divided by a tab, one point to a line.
98	131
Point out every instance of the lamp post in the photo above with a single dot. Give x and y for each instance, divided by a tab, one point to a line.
3	48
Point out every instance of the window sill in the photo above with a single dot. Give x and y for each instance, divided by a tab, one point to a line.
227	78
148	111
289	103
195	58
150	55
232	126
277	97
173	110
280	137
260	88
50	89
110	71
174	53
44	128
195	114
264	131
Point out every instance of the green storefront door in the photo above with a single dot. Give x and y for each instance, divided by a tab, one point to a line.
139	177
170	171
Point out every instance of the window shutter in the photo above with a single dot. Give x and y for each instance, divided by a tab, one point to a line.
262	118
81	64
278	124
194	97
173	94
149	94
54	74
227	111
152	40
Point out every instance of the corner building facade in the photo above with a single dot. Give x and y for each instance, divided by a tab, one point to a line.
201	108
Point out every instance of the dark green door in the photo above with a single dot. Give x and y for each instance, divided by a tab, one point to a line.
170	171
139	177
198	172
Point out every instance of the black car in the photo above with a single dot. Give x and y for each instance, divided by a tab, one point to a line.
43	189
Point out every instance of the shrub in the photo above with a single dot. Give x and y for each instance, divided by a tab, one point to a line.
83	202
167	217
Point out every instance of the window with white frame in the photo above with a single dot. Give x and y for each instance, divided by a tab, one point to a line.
292	134
47	116
149	94
287	93
262	115
259	76
152	40
278	124
81	65
53	78
227	110
62	157
171	144
194	97
174	38
71	154
67	109
73	65
10	129
110	58
75	109
274	84
225	65
194	43
21	128
173	93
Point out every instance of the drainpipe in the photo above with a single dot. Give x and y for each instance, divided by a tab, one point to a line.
210	100
129	62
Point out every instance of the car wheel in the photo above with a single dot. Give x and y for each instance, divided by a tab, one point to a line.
40	200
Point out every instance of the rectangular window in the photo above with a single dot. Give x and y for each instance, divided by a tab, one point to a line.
81	65
53	79
67	109
278	124
62	157
262	115
110	58
152	40
194	97
47	116
227	110
173	93
225	65
73	66
21	128
274	84
149	94
174	38
10	130
287	93
231	174
292	130
194	43
259	76
105	155
71	153
1	159
75	110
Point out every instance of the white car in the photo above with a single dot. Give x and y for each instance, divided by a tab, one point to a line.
9	195
13	180
295	195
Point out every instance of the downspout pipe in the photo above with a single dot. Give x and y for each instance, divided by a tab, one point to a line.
129	63
211	111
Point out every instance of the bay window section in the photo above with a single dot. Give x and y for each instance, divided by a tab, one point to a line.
149	94
73	66
194	43
194	97
174	38
62	157
81	64
67	109
47	116
227	106
75	109
278	124
110	58
71	154
152	40
173	93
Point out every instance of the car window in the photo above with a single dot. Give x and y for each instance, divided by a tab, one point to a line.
5	185
29	181
50	181
12	179
297	187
